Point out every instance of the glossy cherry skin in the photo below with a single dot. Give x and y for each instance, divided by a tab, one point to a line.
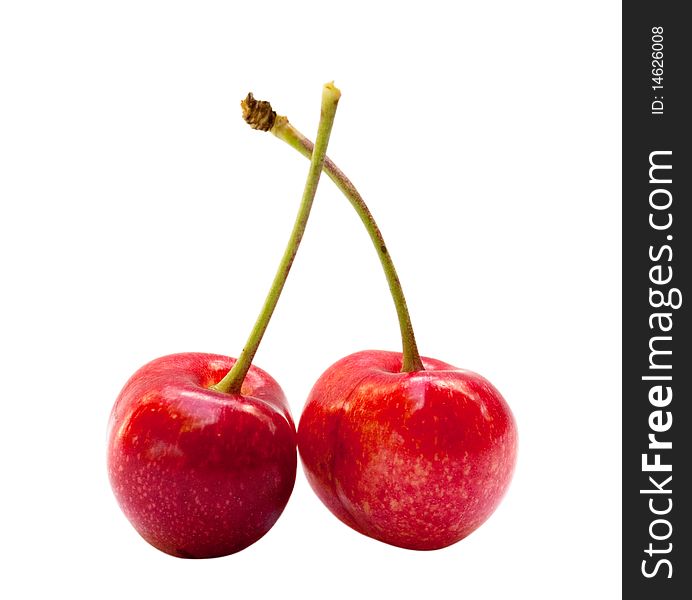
200	473
417	460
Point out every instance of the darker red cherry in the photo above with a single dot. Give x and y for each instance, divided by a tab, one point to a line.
200	473
418	459
202	447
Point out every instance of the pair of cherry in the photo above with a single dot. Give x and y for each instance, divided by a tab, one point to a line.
407	450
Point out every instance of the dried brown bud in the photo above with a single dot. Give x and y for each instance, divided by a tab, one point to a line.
258	114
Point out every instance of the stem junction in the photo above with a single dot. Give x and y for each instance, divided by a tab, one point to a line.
259	115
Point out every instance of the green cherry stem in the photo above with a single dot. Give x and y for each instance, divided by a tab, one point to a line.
259	115
233	380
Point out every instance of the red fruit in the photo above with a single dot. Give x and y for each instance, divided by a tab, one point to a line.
200	473
417	460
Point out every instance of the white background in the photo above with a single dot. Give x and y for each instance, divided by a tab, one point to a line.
140	216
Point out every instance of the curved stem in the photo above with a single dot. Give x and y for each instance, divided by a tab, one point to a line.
282	129
233	380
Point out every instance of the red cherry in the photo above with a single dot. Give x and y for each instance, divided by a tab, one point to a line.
408	450
202	447
200	473
418	459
